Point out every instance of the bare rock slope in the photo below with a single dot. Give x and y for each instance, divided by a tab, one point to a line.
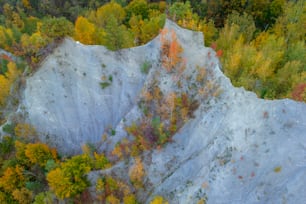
235	149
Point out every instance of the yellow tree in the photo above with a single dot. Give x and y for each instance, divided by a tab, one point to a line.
20	148
12	178
39	153
26	131
26	4
111	199
158	200
31	45
5	89
129	199
150	28
70	179
17	21
136	24
23	195
209	30
84	31
6	81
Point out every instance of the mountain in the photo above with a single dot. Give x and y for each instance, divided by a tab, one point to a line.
228	146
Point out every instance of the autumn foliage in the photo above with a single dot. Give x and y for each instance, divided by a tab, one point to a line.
69	179
6	81
261	46
299	92
171	50
137	173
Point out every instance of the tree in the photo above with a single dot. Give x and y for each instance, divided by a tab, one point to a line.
5	89
23	195
12	179
26	4
56	28
117	36
111	199
6	145
30	25
6	38
17	21
129	199
245	22
85	31
43	198
158	200
70	179
290	23
137	8
25	130
39	153
150	28
20	148
179	10
31	45
145	30
6	81
257	9
107	12
209	30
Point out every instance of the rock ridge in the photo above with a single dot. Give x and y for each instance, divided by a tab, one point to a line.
236	149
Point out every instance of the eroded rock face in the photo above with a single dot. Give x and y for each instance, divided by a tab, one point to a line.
236	149
66	102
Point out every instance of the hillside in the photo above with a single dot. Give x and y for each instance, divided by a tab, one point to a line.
198	137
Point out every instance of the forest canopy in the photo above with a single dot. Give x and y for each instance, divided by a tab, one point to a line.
261	46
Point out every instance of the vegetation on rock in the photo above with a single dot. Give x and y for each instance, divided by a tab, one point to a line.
261	46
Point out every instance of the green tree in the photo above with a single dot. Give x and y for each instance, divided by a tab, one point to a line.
245	22
179	10
57	27
137	8
117	36
290	23
43	198
108	12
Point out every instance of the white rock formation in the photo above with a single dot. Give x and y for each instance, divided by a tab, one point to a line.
237	149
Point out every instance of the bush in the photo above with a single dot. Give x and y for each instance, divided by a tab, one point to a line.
145	67
8	128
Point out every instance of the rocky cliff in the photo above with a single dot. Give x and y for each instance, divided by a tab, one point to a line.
235	148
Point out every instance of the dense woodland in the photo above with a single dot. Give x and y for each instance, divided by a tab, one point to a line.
261	46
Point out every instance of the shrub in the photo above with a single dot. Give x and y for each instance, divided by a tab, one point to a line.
104	84
158	200
145	67
8	128
137	173
171	50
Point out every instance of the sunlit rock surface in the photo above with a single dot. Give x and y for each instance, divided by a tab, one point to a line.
237	148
